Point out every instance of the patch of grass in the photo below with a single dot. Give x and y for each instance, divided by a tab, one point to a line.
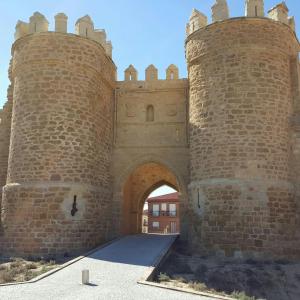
163	277
6	276
180	279
17	263
29	275
31	266
18	270
2	267
241	296
198	286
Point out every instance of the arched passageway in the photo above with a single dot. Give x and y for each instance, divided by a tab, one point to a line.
137	187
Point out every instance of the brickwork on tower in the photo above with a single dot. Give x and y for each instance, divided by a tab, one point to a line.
5	123
240	136
61	145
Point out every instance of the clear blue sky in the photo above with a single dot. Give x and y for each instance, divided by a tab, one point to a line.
142	31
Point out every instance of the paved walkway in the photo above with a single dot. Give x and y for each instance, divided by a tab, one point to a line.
114	272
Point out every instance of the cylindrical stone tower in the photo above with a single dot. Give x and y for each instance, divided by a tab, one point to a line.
241	102
58	189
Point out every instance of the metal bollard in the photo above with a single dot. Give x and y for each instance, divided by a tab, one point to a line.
85	277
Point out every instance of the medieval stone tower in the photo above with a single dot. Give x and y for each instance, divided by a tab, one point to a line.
81	151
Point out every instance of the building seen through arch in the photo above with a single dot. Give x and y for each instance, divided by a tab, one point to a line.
163	214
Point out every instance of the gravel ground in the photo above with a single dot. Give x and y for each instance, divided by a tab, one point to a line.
260	279
114	272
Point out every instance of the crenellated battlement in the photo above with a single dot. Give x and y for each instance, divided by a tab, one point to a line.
151	74
83	27
253	9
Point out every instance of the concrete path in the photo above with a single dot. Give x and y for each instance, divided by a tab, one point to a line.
114	272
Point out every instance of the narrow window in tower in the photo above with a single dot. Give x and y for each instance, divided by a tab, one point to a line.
74	206
150	113
255	11
172	75
86	32
130	77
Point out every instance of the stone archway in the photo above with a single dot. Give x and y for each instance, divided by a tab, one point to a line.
139	184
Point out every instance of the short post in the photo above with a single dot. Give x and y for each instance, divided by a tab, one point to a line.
85	276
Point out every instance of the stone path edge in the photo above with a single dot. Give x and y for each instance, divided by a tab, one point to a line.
178	289
145	280
68	263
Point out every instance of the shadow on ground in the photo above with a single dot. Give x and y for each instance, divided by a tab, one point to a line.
134	249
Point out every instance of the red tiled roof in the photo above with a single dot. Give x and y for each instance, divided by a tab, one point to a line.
170	197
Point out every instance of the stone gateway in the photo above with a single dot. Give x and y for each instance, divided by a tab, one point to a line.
80	151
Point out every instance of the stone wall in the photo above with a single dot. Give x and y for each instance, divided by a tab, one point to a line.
138	141
240	137
61	145
5	123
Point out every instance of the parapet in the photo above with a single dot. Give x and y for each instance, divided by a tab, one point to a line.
151	73
172	72
22	29
253	9
38	23
220	11
131	73
83	27
197	21
279	13
61	23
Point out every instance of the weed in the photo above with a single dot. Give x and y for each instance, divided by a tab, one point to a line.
241	296
163	277
7	276
31	266
2	268
180	279
198	286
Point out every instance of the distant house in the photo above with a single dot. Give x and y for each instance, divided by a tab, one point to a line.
145	221
163	214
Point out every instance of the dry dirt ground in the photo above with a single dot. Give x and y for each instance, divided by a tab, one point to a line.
18	269
240	279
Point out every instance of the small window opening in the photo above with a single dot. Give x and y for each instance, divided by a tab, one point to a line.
74	206
256	11
150	113
86	32
172	75
130	77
